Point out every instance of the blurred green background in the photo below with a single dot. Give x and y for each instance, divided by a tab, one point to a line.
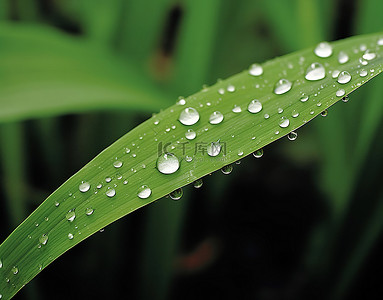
75	75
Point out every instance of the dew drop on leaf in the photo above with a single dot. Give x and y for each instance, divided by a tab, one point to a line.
304	98
188	158
335	73
227	169
315	71
216	118
236	109
294	113
198	183
231	88
15	270
292	136
84	187
110	192
168	163
256	70
214	148
343	57
1	263
144	192
340	93
117	164
344	77
380	41
43	239
282	86
189	116
369	55
363	73
177	194
284	122
89	211
254	106
324	113
258	153
70	236
323	49
71	215
345	99
190	134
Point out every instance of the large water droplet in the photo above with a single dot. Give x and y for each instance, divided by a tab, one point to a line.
84	187
15	270
189	116
282	86
343	57
344	77
89	211
216	118
236	109
258	153
43	239
292	136
168	163
227	169
198	183
256	70
110	192
177	194
117	164
190	134
71	215
144	192
340	93
315	71
284	122
323	49
369	55
214	148
254	106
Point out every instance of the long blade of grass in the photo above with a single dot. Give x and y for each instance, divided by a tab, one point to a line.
109	186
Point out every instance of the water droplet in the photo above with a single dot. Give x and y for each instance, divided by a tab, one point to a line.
256	70
1	263
236	109
227	169
190	134
181	101
345	99
89	211
108	179
266	116
240	152
292	136
323	49
15	270
335	73
84	187
168	163
71	215
363	73
315	71
70	236
57	204
117	164
282	86
258	153
369	55
340	93
343	57
177	194
156	122
344	77
189	116
280	110
127	150
221	91
284	122
198	183
254	106
294	113
304	98
324	113
231	88
188	158
380	41
214	148
43	239
110	192
144	192
216	118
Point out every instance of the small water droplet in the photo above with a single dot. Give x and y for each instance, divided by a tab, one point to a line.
284	122
340	93
256	70
380	41
84	187
231	88
190	134
108	179
189	116
254	106
110	192
1	263
240	152
324	113
70	236
144	192
344	77
280	110
369	55
335	73
43	239
304	98
117	164
363	73
345	99
156	122
294	113
236	109
188	158
214	148
71	215
323	49
315	71
15	270
216	118
177	194
266	116
343	57
282	86
181	101
221	91
227	169
127	150
292	136
168	163
258	153
57	204
89	211
198	183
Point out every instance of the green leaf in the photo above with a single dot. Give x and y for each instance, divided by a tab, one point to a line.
43	236
46	73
